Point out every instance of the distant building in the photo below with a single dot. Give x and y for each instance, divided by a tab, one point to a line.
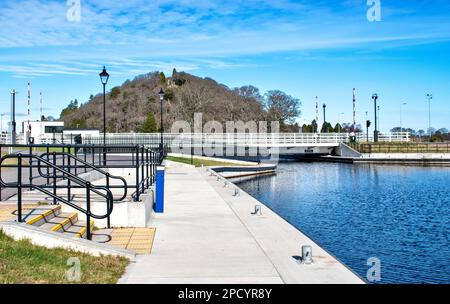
41	130
82	132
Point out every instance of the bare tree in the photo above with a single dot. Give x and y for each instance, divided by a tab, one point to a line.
282	107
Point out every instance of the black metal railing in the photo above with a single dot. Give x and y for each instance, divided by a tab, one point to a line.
71	163
90	188
84	158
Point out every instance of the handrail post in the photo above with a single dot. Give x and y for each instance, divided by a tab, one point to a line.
48	168
30	164
54	177
76	155
109	216
19	187
147	167
63	162
88	211
152	164
142	169
85	159
69	192
137	174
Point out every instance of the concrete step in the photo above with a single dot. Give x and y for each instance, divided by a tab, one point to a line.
51	218
60	222
41	215
78	230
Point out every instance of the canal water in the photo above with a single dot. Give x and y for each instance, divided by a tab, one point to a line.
397	214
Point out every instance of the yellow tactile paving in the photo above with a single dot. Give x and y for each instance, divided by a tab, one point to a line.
139	240
9	212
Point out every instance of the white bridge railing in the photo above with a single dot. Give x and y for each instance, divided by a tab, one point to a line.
245	139
241	139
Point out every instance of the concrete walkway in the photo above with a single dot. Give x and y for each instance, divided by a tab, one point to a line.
206	237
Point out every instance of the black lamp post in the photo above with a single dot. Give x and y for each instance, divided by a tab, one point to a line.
375	133
104	77
325	117
13	117
161	145
430	98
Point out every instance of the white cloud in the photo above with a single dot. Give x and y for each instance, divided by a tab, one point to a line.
191	33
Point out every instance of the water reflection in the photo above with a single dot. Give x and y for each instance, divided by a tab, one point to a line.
398	214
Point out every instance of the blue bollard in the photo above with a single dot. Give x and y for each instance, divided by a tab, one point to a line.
159	205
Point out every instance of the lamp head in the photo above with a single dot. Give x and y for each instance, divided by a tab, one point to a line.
104	76
161	94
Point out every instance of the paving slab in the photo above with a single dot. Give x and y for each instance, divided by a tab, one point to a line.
282	242
199	239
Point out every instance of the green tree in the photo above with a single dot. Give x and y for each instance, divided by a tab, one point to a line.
314	126
162	78
149	125
115	92
72	107
327	128
307	128
338	128
169	94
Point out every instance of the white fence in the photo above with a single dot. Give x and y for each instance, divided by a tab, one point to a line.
245	139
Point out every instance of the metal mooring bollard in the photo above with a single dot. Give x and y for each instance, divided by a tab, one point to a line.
306	254
258	210
236	192
225	184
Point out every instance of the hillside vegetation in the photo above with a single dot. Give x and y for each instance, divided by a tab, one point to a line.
134	106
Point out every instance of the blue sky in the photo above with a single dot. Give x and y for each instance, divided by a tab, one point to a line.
305	48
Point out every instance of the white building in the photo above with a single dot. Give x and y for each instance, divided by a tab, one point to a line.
82	132
40	130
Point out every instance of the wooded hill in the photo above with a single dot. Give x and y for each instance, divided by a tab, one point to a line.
134	106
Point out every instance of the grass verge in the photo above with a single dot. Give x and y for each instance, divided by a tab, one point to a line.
24	263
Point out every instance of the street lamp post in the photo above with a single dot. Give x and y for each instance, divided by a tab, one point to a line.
104	77
367	126
375	133
324	115
13	117
429	97
161	145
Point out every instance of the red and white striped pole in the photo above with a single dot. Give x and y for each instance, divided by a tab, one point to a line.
29	113
41	112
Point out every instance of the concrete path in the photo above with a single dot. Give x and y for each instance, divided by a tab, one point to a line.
205	237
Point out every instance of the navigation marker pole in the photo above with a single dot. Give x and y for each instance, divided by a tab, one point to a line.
28	131
41	112
354	110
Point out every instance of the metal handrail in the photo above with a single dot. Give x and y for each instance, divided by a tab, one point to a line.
87	185
88	165
144	160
